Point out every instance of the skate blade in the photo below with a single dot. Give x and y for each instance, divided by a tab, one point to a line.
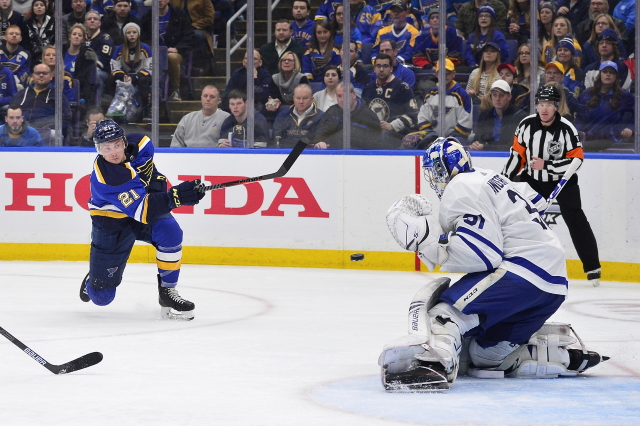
421	379
166	313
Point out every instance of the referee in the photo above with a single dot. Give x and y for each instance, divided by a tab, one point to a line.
543	148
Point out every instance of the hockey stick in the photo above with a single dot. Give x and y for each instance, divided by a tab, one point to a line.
288	162
573	167
77	364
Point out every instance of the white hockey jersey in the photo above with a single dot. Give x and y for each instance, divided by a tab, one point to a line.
495	224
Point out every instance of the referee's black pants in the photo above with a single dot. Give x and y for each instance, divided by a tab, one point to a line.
571	208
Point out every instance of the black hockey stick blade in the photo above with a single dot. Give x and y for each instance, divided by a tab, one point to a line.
77	364
288	162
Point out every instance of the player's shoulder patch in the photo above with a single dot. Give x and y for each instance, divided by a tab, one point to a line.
106	36
405	85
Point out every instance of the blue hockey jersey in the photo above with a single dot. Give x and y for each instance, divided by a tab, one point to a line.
121	192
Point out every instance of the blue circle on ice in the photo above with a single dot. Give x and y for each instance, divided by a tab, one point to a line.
584	400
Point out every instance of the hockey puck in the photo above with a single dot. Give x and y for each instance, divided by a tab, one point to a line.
357	257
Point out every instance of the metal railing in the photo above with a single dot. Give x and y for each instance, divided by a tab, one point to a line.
230	50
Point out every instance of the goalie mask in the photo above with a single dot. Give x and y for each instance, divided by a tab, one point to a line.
444	159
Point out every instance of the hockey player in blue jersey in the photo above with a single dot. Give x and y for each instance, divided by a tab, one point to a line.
129	202
492	321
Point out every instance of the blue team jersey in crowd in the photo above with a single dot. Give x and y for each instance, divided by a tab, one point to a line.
302	35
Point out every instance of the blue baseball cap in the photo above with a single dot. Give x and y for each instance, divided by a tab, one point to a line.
608	64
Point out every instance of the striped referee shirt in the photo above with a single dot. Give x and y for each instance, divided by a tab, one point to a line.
556	144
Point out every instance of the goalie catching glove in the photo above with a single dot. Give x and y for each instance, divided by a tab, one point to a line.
185	194
414	228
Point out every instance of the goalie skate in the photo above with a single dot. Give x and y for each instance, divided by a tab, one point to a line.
172	306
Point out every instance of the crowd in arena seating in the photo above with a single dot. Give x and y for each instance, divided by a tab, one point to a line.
584	46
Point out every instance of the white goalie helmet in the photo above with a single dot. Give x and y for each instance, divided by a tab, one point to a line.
445	158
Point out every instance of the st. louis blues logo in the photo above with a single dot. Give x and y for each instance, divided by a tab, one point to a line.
112	271
380	108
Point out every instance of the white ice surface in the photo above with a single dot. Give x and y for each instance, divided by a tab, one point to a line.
279	346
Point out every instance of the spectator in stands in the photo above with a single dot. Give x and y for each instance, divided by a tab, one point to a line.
392	100
112	23
607	45
403	33
202	14
507	72
298	121
263	85
481	78
585	29
101	43
8	87
589	49
485	31
272	52
425	52
302	27
497	124
576	11
14	56
518	20
554	73
80	62
15	132
367	19
413	15
365	126
625	11
359	75
176	33
201	128
338	24
389	47
41	30
93	115
458	120
105	7
548	14
328	97
132	63
38	102
468	16
76	16
9	17
561	29
226	10
286	79
322	52
523	65
49	59
606	113
237	123
573	75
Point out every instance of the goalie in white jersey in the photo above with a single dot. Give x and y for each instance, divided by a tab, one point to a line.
491	322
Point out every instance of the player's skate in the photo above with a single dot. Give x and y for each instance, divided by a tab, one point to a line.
172	305
84	296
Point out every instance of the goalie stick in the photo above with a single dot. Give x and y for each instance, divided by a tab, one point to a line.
288	162
77	364
573	167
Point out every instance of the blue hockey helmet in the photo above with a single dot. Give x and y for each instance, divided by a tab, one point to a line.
108	131
445	158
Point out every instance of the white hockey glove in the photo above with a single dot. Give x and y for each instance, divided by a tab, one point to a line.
411	223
